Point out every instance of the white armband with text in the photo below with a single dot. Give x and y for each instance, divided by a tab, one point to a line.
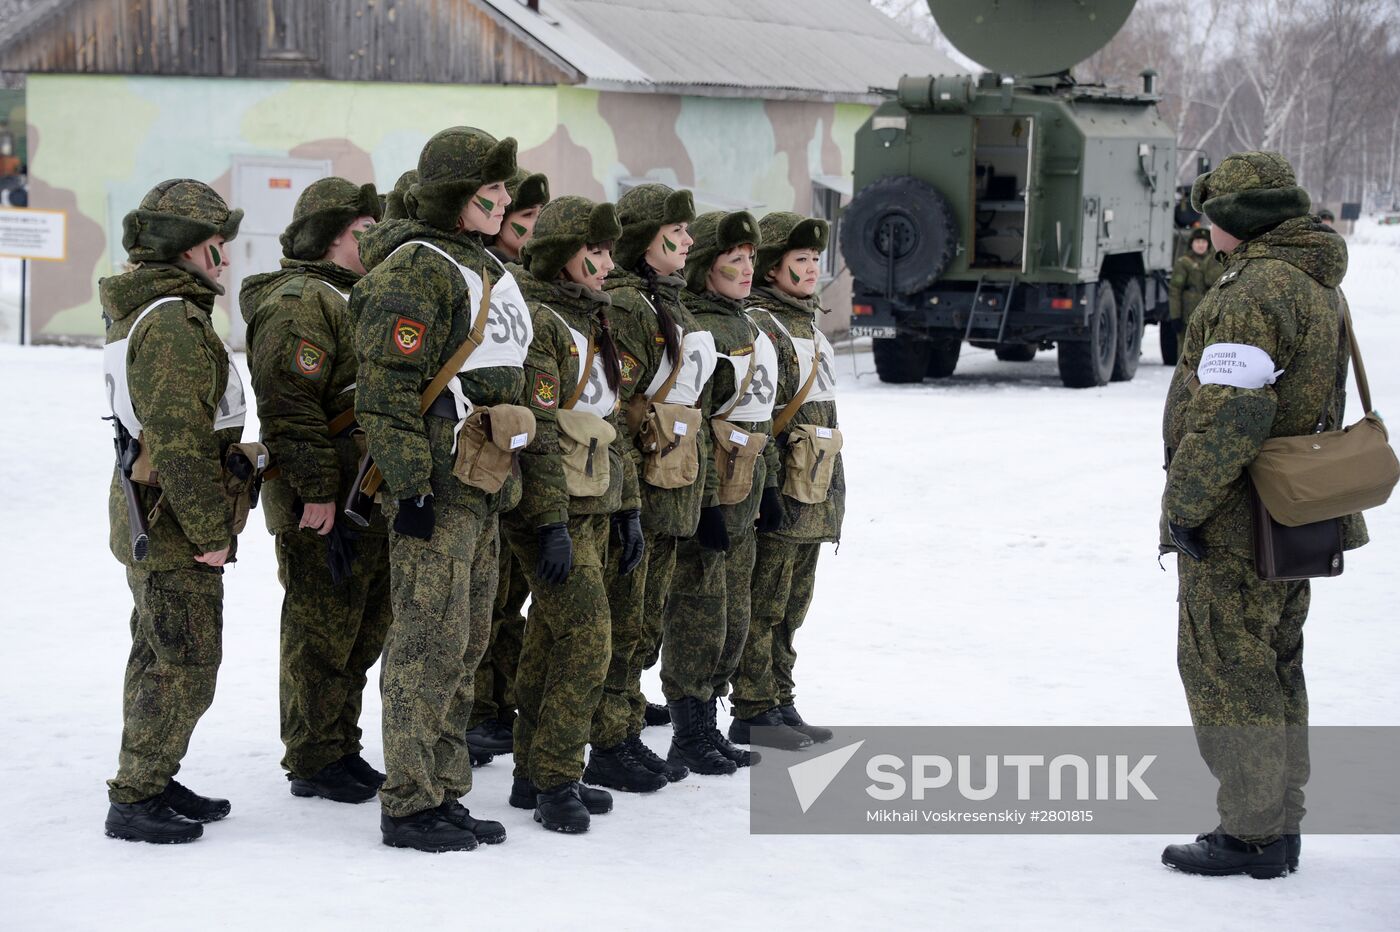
1236	364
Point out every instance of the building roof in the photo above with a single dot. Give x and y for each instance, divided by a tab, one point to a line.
825	49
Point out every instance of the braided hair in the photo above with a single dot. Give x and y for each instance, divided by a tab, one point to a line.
664	317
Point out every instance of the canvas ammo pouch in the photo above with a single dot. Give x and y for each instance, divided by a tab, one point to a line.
809	459
489	445
736	455
584	441
669	438
244	465
143	471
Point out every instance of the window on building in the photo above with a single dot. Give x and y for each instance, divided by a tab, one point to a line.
827	194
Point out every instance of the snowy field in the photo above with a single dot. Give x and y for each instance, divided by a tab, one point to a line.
998	567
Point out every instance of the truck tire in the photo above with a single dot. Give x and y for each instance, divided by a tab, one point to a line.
943	356
900	360
901	218
1016	352
1132	315
1171	349
1089	363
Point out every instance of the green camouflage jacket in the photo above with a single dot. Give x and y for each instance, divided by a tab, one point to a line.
177	372
1278	294
552	374
634	324
301	353
1192	276
768	308
734	336
410	314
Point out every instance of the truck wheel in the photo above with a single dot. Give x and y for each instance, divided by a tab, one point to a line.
1016	352
943	356
1131	322
1089	363
1170	349
901	220
900	360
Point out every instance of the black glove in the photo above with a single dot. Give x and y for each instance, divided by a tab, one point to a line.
712	534
627	531
340	552
239	465
415	517
771	513
1188	540
556	553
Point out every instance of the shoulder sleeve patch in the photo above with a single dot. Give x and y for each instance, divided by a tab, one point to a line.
309	359
630	367
1236	364
545	393
407	336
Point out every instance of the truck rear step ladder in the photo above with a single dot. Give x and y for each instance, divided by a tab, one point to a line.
1004	291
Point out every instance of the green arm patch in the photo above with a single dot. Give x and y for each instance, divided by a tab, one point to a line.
545	393
309	360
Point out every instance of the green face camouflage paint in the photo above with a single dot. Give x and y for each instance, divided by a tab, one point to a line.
666	243
589	266
728	272
794	276
519	230
215	256
485	204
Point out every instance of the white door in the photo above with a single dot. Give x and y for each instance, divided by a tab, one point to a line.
266	189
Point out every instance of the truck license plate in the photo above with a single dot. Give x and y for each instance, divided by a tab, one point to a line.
859	330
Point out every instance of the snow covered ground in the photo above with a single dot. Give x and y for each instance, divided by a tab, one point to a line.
998	567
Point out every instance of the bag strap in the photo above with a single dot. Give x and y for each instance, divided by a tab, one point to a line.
665	388
584	372
790	409
743	388
1363	387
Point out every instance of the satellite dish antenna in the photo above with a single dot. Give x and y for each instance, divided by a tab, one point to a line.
1030	37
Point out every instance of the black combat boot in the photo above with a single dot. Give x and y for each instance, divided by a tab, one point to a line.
486	831
523	795
817	733
775	733
491	737
1219	855
691	744
1293	847
361	770
656	714
151	820
562	810
191	805
673	772
428	830
738	755
617	767
333	782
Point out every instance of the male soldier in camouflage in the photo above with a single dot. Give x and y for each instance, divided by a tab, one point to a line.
412	310
170	381
654	332
335	612
1192	275
785	306
493	712
1275	312
707	615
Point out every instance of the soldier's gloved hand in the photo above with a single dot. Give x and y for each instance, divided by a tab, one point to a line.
627	531
416	517
712	533
340	552
1188	540
556	552
771	513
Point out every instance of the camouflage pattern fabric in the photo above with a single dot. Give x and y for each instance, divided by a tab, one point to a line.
322	213
1240	655
177	371
616	716
331	636
784	576
174	216
565	655
394	207
495	677
176	646
1192	276
442	618
660	563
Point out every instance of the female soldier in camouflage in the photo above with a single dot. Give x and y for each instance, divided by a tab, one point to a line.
417	304
576	475
173	388
707	616
785	306
654	333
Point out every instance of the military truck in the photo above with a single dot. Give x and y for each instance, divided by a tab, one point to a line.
1018	210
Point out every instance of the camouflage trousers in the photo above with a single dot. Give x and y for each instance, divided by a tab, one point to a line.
176	645
1240	655
707	616
495	678
564	658
784	575
331	636
442	591
656	589
614	719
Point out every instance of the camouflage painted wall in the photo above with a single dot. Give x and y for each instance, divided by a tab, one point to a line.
97	143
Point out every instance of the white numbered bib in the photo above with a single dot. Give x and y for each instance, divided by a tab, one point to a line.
597	397
758	400
698	361
816	351
233	406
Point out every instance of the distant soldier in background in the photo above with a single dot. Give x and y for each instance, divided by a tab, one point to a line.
176	393
336	612
1192	275
1328	218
